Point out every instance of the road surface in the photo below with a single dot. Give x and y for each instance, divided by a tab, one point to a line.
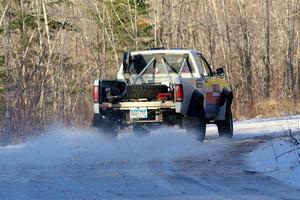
168	164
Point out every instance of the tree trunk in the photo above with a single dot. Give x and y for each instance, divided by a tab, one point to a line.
246	54
291	13
267	49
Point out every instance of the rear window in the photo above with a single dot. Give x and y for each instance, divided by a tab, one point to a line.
173	64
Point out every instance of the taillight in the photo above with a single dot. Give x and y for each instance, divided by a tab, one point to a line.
96	94
178	93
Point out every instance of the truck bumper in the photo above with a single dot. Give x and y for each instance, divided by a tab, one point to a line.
132	105
155	110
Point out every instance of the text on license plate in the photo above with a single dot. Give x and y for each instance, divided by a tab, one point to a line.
141	113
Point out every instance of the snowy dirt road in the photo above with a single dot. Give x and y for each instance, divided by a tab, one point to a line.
169	164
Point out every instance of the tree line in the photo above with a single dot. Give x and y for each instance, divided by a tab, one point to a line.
51	50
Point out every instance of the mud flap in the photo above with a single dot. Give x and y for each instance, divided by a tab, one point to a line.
227	97
196	108
221	112
195	121
105	126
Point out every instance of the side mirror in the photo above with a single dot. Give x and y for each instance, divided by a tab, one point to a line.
126	61
220	72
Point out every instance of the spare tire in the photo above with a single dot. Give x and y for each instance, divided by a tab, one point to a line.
145	91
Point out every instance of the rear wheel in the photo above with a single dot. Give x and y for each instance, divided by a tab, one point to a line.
105	126
225	127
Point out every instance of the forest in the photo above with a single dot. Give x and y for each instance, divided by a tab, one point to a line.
51	50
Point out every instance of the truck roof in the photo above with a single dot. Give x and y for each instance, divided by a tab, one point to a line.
174	51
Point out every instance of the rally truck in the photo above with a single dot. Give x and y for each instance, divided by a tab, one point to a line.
172	87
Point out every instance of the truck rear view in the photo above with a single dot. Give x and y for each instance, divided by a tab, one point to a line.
158	87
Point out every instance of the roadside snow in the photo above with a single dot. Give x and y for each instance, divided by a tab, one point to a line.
260	126
269	159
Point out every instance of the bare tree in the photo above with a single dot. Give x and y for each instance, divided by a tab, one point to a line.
267	71
291	19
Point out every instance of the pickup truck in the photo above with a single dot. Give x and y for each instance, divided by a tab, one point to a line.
174	87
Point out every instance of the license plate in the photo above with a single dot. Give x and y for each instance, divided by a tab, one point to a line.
138	113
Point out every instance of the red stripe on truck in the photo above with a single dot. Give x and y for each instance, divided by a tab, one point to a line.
213	98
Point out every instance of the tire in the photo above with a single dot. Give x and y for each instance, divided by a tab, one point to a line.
196	127
225	127
140	131
145	91
106	127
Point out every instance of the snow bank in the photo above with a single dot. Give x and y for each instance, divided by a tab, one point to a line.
269	159
262	126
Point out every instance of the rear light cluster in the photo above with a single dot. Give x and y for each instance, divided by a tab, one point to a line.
165	96
96	94
178	93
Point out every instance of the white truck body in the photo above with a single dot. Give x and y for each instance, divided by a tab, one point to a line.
187	88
